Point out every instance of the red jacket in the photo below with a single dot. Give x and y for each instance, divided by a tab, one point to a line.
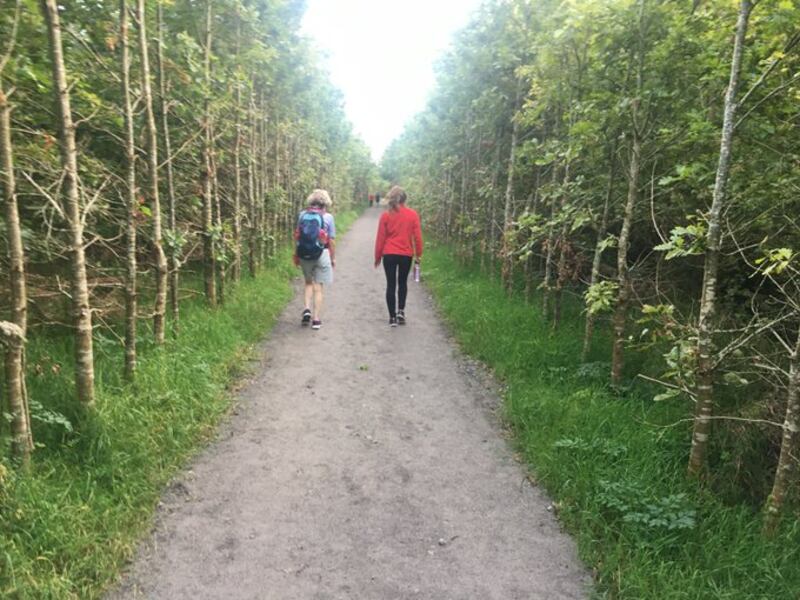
397	231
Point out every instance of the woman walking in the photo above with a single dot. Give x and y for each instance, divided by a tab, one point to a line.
315	235
398	243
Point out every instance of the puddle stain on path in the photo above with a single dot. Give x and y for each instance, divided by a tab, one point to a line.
361	462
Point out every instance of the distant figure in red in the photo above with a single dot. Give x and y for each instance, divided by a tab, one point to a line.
398	243
371	200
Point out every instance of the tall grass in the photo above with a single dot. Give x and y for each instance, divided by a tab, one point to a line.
68	526
614	462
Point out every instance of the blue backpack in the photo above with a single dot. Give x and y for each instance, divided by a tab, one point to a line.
310	235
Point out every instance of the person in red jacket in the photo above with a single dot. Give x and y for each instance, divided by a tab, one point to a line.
398	243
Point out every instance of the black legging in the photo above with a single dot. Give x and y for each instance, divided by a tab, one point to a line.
392	263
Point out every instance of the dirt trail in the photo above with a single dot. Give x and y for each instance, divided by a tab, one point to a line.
363	462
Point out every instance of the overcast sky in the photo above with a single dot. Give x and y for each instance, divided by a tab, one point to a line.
381	55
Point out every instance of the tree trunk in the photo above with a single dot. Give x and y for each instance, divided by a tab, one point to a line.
598	255
507	269
491	230
130	199
159	258
448	207
21	441
79	289
704	377
209	266
620	317
280	227
623	278
787	460
463	239
252	193
532	209
549	251
262	178
237	174
219	260
284	225
174	262
561	269
21	437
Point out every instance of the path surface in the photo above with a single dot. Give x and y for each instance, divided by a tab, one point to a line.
363	462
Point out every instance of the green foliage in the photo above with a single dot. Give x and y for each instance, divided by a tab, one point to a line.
600	297
96	486
686	240
627	502
615	464
775	261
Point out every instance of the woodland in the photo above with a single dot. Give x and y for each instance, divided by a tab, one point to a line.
154	155
626	171
629	171
142	139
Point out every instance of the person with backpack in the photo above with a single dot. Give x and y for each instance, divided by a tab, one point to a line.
397	244
315	253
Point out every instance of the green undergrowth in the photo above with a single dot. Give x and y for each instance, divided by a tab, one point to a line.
68	526
614	461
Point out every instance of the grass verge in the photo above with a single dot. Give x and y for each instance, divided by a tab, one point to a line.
68	526
614	463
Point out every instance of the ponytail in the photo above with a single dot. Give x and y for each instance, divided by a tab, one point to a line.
395	198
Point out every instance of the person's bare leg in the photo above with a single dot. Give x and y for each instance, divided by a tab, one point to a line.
317	301
308	293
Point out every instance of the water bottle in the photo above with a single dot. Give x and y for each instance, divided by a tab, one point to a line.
416	272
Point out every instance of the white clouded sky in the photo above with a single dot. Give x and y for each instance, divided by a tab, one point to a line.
381	55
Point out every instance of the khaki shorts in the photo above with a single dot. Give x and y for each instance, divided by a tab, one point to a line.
319	270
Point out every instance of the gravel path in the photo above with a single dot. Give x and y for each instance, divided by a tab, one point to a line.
362	462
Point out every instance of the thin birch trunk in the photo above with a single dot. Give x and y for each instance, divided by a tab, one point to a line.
130	198
209	266
12	338
620	317
787	462
159	258
549	251
21	437
492	228
237	174
280	228
532	209
289	158
448	207
619	320
507	269
596	260
475	242
704	377
252	193
561	269
262	176
219	261
79	288
464	240
174	262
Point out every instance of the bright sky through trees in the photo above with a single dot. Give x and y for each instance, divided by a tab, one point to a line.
381	55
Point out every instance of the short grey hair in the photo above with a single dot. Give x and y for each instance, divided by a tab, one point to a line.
320	198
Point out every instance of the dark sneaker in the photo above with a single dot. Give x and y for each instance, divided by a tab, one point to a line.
316	324
401	317
392	321
306	317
